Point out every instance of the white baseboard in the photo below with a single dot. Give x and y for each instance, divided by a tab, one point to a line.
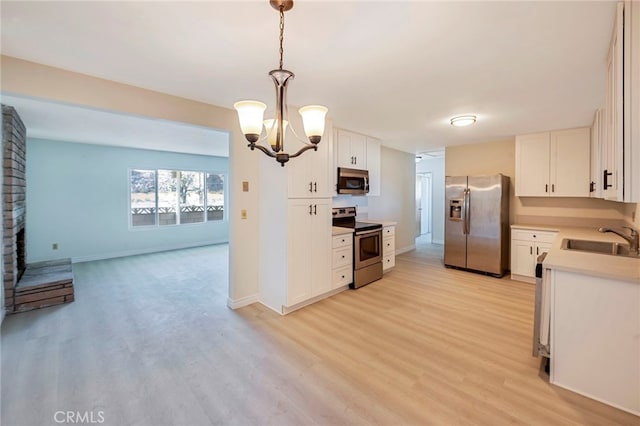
125	253
243	301
289	309
405	249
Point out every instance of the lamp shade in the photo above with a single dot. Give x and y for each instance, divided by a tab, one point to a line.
250	115
271	126
313	121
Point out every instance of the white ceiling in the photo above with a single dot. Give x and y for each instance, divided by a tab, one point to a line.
56	121
396	70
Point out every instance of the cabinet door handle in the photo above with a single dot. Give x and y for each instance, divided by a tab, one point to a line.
592	187
310	186
315	209
537	251
343	256
315	186
343	277
530	249
605	179
546	187
310	210
553	187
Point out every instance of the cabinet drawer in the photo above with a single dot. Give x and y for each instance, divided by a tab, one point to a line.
532	235
342	257
388	231
342	240
388	246
342	276
388	262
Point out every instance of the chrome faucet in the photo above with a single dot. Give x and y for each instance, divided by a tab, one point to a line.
633	238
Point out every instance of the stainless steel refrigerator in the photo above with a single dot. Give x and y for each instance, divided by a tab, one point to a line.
477	223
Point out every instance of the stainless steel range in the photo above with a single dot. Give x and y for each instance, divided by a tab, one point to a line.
367	246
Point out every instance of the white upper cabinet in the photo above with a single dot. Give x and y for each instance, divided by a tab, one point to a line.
620	162
532	165
373	165
553	164
595	186
309	174
570	162
355	151
351	150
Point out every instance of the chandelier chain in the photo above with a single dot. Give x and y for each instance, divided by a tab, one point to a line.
281	33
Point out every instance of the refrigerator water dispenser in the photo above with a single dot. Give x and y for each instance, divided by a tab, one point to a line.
455	209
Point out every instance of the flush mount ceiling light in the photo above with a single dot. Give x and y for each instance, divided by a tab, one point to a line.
463	120
251	113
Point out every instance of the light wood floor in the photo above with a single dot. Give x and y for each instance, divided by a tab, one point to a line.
149	341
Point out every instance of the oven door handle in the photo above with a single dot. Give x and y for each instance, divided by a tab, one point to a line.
373	231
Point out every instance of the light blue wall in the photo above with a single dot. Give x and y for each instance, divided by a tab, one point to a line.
78	197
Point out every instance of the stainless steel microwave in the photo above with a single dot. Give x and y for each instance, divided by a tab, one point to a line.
352	181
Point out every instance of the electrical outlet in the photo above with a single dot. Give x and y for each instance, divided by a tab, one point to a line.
243	214
54	246
245	186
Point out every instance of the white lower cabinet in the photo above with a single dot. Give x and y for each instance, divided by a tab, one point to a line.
526	246
595	349
388	247
342	260
309	248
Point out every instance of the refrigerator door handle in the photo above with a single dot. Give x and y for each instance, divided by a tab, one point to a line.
465	212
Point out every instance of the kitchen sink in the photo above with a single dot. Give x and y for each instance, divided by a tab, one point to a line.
602	247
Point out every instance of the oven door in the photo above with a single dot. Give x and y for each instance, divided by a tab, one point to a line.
367	248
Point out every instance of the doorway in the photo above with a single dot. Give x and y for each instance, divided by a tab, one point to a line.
423	206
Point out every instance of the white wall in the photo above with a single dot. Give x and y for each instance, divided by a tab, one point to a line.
435	166
397	200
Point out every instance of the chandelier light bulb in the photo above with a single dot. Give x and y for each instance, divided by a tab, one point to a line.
250	115
313	121
271	127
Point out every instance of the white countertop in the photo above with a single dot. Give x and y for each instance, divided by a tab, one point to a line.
338	230
601	265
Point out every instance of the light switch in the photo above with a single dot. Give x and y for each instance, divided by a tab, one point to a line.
245	186
243	214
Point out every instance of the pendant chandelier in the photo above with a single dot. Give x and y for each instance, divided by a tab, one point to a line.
251	113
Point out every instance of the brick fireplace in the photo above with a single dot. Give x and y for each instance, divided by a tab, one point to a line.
14	201
26	286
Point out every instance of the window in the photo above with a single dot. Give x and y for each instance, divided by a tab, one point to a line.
143	197
173	197
215	196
